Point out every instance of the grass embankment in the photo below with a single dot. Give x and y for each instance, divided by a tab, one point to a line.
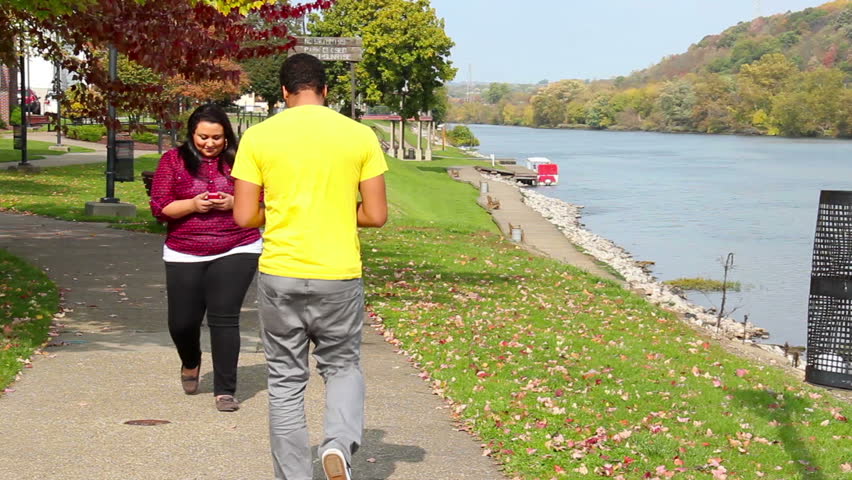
559	374
36	150
28	300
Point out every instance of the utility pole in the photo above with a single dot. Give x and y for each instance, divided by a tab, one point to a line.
469	80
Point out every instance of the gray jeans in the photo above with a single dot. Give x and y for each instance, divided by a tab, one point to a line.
328	313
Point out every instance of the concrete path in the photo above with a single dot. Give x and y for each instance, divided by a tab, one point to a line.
98	156
114	362
539	235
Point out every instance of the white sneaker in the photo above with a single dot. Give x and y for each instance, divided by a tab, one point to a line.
334	465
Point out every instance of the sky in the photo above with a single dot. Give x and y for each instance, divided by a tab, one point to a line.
528	41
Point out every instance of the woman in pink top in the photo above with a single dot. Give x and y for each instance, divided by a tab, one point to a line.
210	260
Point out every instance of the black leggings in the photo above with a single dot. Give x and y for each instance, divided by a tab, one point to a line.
218	288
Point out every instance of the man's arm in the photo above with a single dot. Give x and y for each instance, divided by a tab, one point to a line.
373	209
247	209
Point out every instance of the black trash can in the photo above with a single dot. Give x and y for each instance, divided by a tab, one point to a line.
829	352
18	140
124	160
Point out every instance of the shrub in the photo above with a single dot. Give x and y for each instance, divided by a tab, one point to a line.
144	137
703	284
461	136
3	123
15	115
87	133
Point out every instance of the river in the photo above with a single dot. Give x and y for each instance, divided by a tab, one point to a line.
685	201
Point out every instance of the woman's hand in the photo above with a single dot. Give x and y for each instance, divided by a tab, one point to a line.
200	203
224	203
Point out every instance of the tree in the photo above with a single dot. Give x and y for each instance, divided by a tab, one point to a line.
549	104
176	38
405	52
496	92
599	112
263	78
761	80
811	108
677	99
714	103
461	136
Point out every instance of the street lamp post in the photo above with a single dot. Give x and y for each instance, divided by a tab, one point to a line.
110	171
57	92
22	60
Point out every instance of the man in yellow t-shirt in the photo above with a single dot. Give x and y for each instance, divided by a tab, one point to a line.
311	164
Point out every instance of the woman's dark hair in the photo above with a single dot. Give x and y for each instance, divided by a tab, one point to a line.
189	152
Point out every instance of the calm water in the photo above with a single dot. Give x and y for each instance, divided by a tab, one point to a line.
686	201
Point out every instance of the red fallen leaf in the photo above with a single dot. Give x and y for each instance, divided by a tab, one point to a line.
741	372
628	460
678	461
773	406
558	392
840	418
558	469
569	420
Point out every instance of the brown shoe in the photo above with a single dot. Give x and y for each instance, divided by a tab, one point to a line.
227	403
190	382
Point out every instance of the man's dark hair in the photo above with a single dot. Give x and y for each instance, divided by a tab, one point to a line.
302	71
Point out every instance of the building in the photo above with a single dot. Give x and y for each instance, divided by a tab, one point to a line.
8	92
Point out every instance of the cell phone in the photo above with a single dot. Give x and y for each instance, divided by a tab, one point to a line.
214	196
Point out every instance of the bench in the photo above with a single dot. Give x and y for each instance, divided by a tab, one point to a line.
148	179
492	203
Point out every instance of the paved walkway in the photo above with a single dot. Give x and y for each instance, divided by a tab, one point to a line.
539	235
98	156
114	362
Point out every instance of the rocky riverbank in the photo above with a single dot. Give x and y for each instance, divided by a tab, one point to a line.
566	217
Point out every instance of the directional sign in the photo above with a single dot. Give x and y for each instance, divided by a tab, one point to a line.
330	41
346	49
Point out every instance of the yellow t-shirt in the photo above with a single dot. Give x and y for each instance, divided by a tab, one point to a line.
309	160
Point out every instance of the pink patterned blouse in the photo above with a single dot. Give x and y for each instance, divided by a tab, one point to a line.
198	234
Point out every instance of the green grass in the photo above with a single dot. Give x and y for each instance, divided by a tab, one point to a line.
703	284
62	192
35	150
556	372
28	300
412	188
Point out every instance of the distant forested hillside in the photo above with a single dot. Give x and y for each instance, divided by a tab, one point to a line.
788	74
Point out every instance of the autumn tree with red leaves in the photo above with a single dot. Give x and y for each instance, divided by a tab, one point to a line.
190	40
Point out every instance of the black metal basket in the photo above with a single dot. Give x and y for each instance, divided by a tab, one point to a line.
829	352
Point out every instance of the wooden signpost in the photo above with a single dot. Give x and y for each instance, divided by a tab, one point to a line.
334	49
